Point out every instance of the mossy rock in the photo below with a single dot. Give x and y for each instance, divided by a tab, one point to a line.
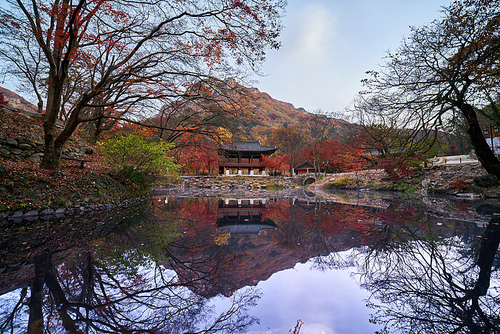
39	148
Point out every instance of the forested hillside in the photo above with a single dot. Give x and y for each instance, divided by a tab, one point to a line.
268	113
260	115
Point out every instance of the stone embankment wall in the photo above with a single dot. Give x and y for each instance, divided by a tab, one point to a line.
29	143
231	187
238	182
9	217
19	148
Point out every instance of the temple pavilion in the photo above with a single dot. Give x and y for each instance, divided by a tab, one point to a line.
243	158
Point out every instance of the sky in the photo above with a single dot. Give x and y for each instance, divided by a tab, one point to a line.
328	45
327	301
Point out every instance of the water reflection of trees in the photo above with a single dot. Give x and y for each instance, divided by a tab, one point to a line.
82	295
118	285
422	276
305	230
423	283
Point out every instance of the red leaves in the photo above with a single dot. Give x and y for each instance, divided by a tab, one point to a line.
277	212
38	188
8	21
276	162
246	9
199	158
127	128
15	24
336	156
398	168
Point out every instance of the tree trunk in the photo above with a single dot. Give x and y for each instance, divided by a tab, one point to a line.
35	322
94	131
54	145
88	277
483	152
487	252
97	126
51	153
59	297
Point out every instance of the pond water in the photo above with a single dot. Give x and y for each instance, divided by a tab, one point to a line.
258	263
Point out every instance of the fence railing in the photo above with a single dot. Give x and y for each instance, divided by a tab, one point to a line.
235	162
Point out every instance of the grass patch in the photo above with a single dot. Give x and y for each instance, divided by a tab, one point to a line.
275	185
345	182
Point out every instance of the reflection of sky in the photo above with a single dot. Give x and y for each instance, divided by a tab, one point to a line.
331	298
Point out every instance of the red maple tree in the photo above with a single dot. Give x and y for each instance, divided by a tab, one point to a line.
106	59
278	163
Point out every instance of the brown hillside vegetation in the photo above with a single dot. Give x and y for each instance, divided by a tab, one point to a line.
24	186
266	113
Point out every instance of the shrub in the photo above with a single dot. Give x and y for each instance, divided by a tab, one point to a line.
344	182
275	185
134	157
398	169
460	183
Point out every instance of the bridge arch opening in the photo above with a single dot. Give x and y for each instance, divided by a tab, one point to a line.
309	180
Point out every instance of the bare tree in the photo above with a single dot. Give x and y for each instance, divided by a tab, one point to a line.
25	62
319	126
439	74
380	135
421	283
205	110
290	141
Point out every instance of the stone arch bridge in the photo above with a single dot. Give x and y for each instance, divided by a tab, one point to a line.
305	179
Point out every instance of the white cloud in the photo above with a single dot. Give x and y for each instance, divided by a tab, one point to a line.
327	45
309	40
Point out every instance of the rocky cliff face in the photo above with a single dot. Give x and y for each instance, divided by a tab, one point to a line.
268	113
16	101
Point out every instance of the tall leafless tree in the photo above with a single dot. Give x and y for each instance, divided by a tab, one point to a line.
440	73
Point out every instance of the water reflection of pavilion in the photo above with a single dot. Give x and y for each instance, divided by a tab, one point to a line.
243	216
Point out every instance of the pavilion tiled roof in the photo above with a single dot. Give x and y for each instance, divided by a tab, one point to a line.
248	146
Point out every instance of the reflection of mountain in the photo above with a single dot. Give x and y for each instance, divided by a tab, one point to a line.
405	257
304	230
246	259
243	216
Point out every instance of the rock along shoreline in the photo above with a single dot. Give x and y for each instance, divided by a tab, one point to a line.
19	216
